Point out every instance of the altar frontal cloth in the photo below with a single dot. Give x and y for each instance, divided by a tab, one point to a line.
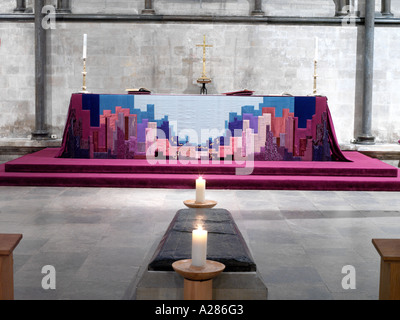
263	128
225	242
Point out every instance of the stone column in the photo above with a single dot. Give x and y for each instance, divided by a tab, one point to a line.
63	6
21	6
40	74
385	8
366	137
340	4
257	8
148	7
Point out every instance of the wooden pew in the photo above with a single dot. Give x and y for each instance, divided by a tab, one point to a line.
8	243
389	285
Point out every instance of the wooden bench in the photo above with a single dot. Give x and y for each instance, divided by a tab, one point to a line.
8	242
389	285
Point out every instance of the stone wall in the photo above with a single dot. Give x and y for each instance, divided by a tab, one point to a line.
299	8
163	57
17	80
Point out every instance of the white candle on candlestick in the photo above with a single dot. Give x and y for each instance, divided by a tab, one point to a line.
200	190
199	247
316	49
85	46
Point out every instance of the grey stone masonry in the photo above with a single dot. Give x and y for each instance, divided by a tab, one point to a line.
269	54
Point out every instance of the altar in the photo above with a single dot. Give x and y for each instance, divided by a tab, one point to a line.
260	128
167	141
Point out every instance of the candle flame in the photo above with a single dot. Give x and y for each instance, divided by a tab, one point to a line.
199	227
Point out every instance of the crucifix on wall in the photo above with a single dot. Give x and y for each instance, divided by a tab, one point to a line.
204	79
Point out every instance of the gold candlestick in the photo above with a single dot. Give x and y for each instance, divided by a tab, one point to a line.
315	78
84	73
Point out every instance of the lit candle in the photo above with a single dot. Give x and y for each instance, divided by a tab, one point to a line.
316	49
199	247
84	46
200	190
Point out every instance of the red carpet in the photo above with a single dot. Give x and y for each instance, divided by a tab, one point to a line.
44	169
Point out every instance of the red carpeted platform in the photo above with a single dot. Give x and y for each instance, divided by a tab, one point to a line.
44	169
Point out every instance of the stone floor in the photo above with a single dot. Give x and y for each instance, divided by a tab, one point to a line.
98	239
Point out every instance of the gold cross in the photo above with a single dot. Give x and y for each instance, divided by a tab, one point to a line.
204	45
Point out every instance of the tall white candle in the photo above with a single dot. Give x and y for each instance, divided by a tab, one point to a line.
199	247
200	190
85	46
316	49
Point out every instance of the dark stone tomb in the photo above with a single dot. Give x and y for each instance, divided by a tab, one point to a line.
225	242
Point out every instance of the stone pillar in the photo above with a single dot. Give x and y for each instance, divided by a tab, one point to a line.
257	8
366	137
21	6
340	7
148	7
63	6
385	8
40	131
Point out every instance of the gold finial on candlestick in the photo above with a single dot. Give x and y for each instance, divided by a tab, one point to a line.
204	79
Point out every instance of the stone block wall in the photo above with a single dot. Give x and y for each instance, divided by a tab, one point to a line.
17	80
163	57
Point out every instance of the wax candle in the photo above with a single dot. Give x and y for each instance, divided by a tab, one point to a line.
200	190
85	46
199	247
316	49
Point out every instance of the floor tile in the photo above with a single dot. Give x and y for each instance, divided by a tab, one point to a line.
99	238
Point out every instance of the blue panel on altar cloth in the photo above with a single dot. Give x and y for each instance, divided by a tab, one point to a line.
91	102
305	109
111	101
279	103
